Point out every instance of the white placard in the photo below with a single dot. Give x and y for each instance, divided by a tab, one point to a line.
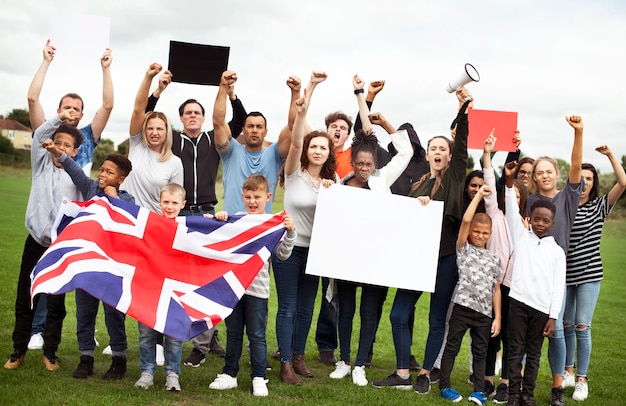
80	37
376	238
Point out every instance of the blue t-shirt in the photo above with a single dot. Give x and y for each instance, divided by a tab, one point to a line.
238	163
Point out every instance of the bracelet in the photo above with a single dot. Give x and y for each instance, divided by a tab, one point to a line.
357	91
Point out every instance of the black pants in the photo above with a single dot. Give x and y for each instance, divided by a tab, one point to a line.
463	319
526	337
24	312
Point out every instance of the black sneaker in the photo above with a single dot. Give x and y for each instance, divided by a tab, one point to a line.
413	364
215	347
422	384
84	368
489	389
514	400
527	400
117	370
558	397
434	375
502	394
195	359
394	381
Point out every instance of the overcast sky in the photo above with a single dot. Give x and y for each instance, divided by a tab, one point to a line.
541	59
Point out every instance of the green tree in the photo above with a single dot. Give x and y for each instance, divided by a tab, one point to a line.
563	167
104	148
20	115
6	146
123	147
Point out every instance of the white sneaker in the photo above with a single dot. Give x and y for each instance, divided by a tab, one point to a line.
160	355
171	382
145	381
107	350
358	376
569	380
341	370
224	381
36	342
259	386
581	391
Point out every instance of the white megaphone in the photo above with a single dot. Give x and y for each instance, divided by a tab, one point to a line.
469	75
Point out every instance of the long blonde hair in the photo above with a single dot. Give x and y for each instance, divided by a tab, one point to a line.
166	149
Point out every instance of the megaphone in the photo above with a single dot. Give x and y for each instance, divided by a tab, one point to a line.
469	75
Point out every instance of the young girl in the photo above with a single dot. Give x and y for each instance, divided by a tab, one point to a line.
544	181
365	175
584	270
447	161
310	164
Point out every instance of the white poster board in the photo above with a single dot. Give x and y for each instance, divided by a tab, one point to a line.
376	238
80	37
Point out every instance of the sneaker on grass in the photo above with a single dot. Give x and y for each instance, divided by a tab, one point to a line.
490	390
581	391
84	368
259	386
569	380
434	375
107	350
557	397
502	394
478	397
15	361
451	395
422	384
341	370
172	383
145	381
358	376
223	381
195	359
36	342
394	381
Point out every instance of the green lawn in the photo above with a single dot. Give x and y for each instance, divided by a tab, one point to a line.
32	384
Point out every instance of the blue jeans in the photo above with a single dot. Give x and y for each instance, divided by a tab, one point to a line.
251	313
404	306
86	312
370	296
147	351
556	344
580	303
296	293
326	331
39	318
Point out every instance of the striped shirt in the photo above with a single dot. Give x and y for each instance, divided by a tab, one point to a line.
584	263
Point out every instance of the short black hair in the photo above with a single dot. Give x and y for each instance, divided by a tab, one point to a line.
543	203
71	130
123	163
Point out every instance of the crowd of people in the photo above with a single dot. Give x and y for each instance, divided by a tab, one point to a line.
518	259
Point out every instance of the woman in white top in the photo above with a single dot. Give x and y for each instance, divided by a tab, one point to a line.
154	164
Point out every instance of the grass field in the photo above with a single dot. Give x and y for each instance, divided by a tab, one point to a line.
32	384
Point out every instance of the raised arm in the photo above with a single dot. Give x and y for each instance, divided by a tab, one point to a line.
165	79
294	83
372	90
220	127
575	169
297	136
618	189
35	110
364	111
469	214
104	111
141	99
239	112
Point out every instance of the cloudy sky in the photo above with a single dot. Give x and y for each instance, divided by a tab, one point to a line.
541	59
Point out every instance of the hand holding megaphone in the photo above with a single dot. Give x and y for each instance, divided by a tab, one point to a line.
470	74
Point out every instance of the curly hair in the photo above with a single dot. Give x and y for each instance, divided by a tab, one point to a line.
364	142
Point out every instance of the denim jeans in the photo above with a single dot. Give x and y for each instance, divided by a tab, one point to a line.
86	312
251	313
39	318
526	333
147	351
401	310
370	296
580	303
296	294
326	331
24	314
556	344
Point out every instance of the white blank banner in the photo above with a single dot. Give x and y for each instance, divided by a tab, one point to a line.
376	238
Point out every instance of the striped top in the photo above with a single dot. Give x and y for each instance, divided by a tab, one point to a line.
584	263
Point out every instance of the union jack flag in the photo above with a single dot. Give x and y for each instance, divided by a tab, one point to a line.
178	277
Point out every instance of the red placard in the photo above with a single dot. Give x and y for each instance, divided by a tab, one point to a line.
481	122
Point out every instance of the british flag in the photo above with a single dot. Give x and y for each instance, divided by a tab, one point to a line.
178	277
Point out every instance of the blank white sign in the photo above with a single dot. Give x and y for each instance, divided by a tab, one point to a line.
376	238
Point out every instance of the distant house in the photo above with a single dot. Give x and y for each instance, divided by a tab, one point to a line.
20	135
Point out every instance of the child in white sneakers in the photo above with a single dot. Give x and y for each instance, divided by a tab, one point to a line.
251	311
